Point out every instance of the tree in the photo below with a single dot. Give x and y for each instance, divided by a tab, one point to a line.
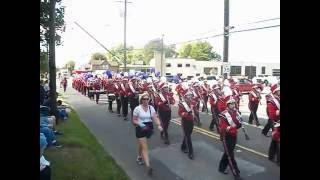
44	63
70	65
170	51
118	51
98	56
202	51
150	47
44	22
184	52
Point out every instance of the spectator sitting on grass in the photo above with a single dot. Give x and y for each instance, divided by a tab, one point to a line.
51	139
45	170
62	113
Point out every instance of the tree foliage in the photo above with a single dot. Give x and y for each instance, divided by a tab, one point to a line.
200	51
70	65
98	56
118	53
44	63
44	22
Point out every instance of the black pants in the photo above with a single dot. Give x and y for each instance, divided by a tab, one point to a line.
97	96
165	117
274	150
267	127
118	104
196	114
205	106
45	174
110	105
229	143
253	113
215	119
187	126
134	102
124	104
64	88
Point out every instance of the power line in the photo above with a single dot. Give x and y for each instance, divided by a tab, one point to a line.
254	22
217	35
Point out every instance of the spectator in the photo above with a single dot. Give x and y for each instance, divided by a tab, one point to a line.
51	139
42	93
45	170
46	86
62	113
64	83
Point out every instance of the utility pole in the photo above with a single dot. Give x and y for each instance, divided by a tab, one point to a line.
226	35
162	56
125	34
52	63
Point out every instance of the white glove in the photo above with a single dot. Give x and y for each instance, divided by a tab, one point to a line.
160	128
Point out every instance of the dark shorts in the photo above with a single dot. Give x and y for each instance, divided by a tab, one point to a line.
140	132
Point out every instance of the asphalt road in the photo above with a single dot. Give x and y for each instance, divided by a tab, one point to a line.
118	139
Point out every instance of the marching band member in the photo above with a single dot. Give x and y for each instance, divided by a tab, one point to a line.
273	111
185	112
117	90
133	93
196	102
228	125
205	94
164	100
124	97
111	93
218	105
96	86
254	100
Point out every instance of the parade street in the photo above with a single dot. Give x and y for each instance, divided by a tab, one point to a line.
118	139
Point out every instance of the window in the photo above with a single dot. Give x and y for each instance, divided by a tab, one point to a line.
179	65
263	70
207	70
168	74
250	71
168	65
235	71
187	65
197	74
275	72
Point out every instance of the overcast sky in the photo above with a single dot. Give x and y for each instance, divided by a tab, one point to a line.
178	20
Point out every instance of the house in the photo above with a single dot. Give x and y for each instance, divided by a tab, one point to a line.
103	65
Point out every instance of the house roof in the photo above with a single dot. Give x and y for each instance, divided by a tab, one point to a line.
113	63
96	62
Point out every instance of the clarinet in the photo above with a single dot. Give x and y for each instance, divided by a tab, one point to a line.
239	118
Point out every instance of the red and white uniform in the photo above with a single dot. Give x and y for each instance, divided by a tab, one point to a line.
227	119
164	101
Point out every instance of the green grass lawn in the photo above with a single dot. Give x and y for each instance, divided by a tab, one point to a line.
81	157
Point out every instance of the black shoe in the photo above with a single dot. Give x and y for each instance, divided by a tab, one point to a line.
199	124
265	134
223	172
125	119
211	129
57	132
57	145
249	122
237	178
150	171
190	156
166	141
119	115
184	150
257	124
162	135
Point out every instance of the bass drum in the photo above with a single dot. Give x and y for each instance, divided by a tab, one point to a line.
111	97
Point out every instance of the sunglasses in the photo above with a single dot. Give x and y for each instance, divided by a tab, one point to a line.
145	98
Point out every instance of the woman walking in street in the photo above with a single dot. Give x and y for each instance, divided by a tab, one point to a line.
143	117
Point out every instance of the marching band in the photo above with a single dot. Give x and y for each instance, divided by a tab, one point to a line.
224	100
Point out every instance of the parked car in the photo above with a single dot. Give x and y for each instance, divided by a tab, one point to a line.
245	85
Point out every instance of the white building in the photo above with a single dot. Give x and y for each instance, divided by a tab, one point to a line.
191	67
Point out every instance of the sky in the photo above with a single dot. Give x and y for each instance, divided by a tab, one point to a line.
178	20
